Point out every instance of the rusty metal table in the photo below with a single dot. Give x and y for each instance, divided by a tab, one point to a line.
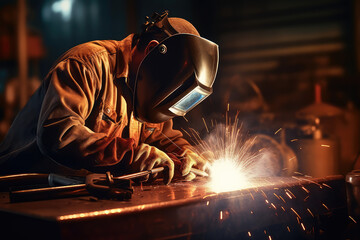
279	208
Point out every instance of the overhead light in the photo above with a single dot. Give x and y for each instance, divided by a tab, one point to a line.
63	7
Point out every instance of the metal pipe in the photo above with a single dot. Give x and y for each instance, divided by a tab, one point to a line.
22	52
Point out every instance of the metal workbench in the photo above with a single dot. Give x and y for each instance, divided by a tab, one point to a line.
278	208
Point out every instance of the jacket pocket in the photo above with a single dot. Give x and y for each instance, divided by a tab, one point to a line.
107	118
107	123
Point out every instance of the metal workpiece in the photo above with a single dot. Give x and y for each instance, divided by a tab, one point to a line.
272	208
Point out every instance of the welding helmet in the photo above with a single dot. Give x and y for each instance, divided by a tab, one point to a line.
174	77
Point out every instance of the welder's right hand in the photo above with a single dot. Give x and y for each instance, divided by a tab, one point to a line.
148	157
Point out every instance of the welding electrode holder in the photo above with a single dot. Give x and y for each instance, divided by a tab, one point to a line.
108	188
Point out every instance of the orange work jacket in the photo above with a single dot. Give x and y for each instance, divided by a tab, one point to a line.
76	118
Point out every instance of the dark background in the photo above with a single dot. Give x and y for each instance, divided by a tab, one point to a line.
272	54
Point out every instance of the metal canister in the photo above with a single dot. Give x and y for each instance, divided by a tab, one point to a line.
353	192
317	157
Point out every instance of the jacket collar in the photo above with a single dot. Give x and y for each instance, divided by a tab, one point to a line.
123	57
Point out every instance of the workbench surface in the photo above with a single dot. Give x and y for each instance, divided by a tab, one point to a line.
277	208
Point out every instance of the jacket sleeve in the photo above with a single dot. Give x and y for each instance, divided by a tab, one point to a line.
168	139
62	134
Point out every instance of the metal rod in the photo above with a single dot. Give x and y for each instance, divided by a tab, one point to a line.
141	174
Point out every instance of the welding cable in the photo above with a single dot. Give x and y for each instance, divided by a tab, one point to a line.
24	179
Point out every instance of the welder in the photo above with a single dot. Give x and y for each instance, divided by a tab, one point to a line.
108	105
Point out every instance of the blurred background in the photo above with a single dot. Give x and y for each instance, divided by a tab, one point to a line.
288	69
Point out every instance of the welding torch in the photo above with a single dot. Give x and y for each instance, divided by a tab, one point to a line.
98	185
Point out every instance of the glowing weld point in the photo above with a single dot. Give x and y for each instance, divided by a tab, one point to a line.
227	175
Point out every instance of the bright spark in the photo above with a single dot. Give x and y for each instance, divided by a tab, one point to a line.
278	131
303	226
288	194
352	219
310	212
305	189
326	185
235	159
326	207
232	158
295	213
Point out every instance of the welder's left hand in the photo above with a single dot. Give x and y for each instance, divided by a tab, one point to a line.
147	157
192	160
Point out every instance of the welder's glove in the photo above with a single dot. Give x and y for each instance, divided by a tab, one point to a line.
190	160
147	157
